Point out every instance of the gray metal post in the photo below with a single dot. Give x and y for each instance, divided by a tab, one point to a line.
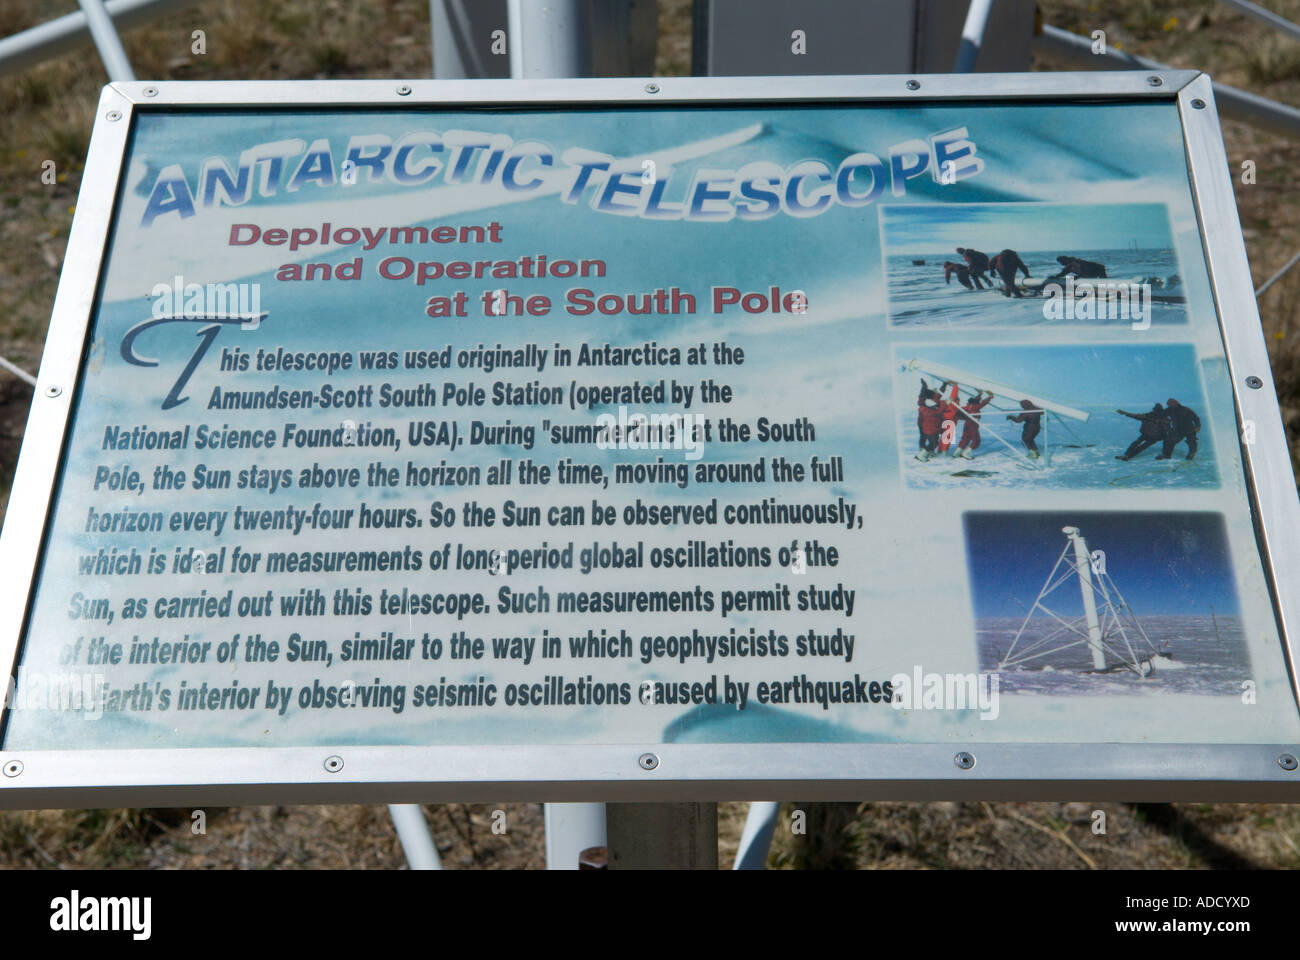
550	39
662	836
462	40
972	35
107	42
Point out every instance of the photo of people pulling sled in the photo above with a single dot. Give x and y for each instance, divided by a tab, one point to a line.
1022	264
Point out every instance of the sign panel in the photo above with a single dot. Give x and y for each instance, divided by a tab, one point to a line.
602	437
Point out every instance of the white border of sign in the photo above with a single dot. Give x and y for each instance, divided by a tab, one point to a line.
729	771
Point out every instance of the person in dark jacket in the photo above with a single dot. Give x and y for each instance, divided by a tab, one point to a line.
1082	269
1155	427
979	264
1184	424
1032	418
961	270
1006	265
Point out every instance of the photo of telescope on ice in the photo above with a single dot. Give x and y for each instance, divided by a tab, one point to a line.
1108	630
1118	602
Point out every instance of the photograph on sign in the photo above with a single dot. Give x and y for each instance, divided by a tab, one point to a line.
1009	416
1118	264
693	423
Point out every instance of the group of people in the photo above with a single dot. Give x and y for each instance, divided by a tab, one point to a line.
939	410
1169	425
1007	265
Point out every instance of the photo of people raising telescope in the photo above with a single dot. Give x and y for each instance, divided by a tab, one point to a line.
1002	417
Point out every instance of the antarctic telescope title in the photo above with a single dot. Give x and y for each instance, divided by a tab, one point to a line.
508	170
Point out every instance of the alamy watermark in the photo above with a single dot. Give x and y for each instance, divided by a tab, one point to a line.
1098	300
947	691
195	301
653	431
78	693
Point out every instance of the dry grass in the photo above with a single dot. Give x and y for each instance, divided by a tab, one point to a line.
45	115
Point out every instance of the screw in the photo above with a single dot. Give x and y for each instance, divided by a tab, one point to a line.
334	764
648	761
15	767
1287	762
53	391
1198	104
150	91
403	90
1254	382
964	760
113	115
1155	82
914	84
652	88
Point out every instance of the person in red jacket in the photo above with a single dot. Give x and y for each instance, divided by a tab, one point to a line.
970	430
928	421
949	415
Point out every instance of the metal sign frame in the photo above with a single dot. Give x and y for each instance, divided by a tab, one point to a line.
923	771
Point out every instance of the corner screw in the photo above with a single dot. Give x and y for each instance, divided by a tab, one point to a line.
113	115
964	760
334	764
1287	762
150	91
403	90
1198	104
914	84
652	88
1155	82
1254	382
647	761
53	391
15	767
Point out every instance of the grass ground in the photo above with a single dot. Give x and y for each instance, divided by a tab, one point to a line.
45	114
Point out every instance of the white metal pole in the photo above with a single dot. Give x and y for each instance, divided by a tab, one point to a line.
756	838
552	38
1278	276
1267	16
413	832
515	37
68	32
1237	104
18	372
972	35
1083	567
107	42
570	829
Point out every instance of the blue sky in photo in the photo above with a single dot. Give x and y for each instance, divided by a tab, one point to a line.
929	228
1163	563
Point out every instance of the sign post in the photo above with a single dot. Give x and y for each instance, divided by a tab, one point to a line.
653	441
